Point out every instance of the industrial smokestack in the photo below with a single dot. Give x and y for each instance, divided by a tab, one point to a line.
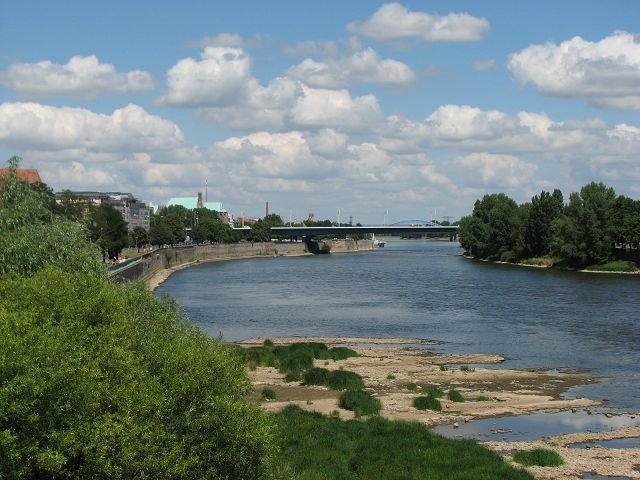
266	209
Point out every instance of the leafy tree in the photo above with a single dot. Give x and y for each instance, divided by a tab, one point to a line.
273	220
583	235
33	236
103	380
260	232
626	222
139	236
109	230
492	229
544	210
159	234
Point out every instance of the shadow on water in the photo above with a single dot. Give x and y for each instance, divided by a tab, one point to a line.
537	426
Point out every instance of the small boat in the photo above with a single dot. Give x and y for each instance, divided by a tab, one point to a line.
377	243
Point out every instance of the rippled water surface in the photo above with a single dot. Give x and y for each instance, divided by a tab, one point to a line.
411	288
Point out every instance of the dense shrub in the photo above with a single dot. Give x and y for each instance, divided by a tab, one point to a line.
344	380
337	353
361	403
316	376
267	394
427	403
540	457
432	391
99	380
412	387
455	396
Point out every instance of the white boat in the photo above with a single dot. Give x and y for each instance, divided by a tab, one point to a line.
378	243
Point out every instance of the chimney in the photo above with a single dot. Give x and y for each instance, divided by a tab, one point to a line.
199	205
266	210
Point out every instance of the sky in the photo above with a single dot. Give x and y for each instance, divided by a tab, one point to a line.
370	111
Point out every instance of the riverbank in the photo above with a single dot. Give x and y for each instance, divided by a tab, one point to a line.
392	369
565	269
157	266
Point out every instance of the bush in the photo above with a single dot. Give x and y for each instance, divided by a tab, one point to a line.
344	380
103	380
316	376
455	396
292	377
427	403
337	353
412	387
615	266
391	376
268	394
432	391
540	457
360	402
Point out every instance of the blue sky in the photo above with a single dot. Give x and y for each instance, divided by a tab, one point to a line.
362	107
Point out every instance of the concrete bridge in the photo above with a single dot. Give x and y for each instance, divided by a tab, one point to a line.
298	232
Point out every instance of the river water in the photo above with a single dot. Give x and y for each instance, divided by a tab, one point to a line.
536	318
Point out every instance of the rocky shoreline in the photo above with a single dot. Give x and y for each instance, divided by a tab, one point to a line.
389	365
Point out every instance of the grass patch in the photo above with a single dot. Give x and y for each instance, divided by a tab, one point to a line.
483	398
444	368
344	380
391	376
412	387
361	403
432	391
455	396
427	403
540	457
268	394
466	368
295	358
614	266
314	447
336	379
540	261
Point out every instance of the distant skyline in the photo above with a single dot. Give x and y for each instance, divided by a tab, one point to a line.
358	107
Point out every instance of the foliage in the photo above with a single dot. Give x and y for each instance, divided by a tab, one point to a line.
260	232
33	236
455	396
138	237
267	394
433	391
324	448
412	387
294	359
316	376
344	380
99	380
359	402
540	457
427	403
545	231
614	266
108	230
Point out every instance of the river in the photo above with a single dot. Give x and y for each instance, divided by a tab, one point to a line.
537	318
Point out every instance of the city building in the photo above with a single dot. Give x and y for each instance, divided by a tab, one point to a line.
134	212
196	202
29	175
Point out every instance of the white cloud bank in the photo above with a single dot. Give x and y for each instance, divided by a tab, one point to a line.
606	73
83	77
394	21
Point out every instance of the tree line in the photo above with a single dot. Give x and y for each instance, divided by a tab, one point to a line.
585	231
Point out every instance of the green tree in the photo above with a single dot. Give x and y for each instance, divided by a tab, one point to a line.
139	236
32	236
260	232
544	210
584	234
492	230
109	230
626	222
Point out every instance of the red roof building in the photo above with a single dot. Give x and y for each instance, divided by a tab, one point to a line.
29	175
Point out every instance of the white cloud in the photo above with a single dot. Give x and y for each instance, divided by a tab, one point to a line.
481	65
220	78
455	122
360	66
83	77
606	73
496	171
319	108
393	21
41	127
220	40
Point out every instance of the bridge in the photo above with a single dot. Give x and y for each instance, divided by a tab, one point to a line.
299	232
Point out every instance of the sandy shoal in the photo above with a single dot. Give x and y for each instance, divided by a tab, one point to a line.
489	392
